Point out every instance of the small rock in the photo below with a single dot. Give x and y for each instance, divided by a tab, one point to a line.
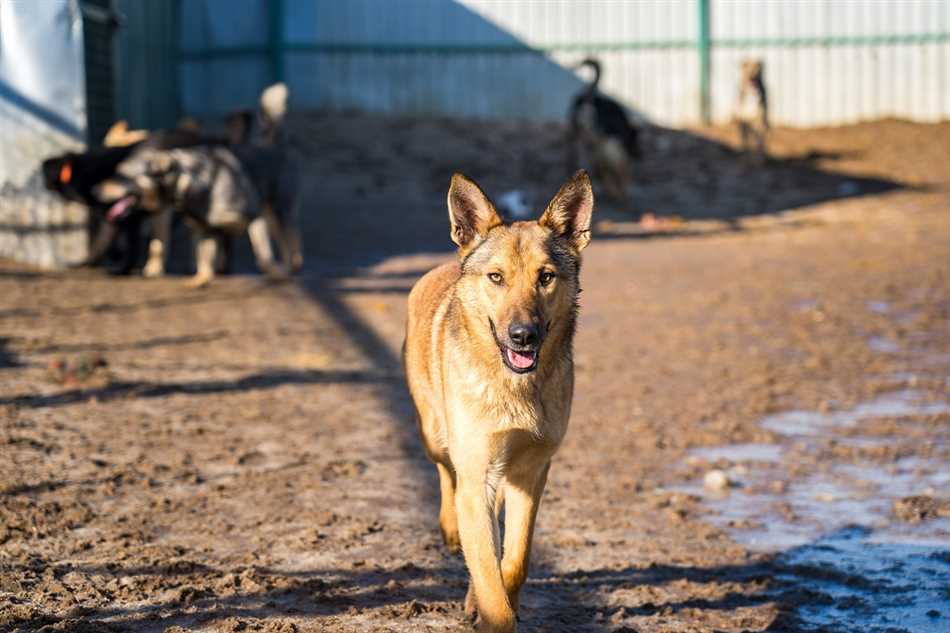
716	480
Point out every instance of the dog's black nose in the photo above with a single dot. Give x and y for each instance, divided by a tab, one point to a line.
523	334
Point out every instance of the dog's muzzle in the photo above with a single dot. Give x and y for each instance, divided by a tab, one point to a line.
521	356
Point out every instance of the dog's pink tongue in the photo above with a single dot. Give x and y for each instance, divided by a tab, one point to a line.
521	360
118	209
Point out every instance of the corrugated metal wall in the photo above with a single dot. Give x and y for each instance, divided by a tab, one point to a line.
827	61
146	63
488	57
224	54
99	61
830	62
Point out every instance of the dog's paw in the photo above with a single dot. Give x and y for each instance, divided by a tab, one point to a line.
451	540
153	269
470	608
274	272
199	281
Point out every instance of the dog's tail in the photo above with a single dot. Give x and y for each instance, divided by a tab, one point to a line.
273	112
274	103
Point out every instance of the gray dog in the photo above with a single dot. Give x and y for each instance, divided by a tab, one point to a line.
221	190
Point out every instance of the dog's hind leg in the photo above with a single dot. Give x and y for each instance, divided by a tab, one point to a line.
223	262
288	241
158	245
285	223
448	519
260	243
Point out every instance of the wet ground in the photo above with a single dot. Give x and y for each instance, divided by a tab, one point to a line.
243	458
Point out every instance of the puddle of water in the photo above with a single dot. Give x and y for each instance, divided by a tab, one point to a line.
856	583
810	423
740	453
844	561
883	345
908	476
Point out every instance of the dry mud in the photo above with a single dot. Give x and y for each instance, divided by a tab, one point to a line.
245	460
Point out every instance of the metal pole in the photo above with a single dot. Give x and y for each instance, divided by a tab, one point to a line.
277	43
704	44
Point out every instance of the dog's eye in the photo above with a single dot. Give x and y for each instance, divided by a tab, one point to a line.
546	277
495	278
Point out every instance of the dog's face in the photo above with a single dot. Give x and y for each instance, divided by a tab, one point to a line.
751	70
520	281
58	176
144	180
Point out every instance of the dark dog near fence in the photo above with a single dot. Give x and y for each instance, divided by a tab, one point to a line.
602	138
220	190
73	176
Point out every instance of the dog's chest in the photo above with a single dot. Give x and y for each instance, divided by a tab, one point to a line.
501	404
750	104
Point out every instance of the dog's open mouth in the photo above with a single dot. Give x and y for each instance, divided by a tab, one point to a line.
120	208
520	362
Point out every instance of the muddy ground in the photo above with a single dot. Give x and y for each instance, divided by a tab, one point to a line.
245	459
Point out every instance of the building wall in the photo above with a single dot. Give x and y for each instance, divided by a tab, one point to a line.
42	113
146	63
827	61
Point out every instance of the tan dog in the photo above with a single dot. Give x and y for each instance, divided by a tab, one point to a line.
752	110
488	360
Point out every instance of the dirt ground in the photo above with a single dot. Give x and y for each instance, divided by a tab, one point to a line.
243	458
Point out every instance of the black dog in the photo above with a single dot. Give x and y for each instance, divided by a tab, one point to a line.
602	139
73	176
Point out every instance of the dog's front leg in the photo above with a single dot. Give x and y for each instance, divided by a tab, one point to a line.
522	497
205	255
106	233
158	245
478	531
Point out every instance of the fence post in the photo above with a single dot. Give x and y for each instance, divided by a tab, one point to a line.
704	44
276	19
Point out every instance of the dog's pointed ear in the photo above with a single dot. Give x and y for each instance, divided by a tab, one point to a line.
568	214
471	213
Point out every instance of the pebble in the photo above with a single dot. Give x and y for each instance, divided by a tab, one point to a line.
716	480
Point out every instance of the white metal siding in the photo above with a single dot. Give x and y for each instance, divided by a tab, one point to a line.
410	56
835	83
490	82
